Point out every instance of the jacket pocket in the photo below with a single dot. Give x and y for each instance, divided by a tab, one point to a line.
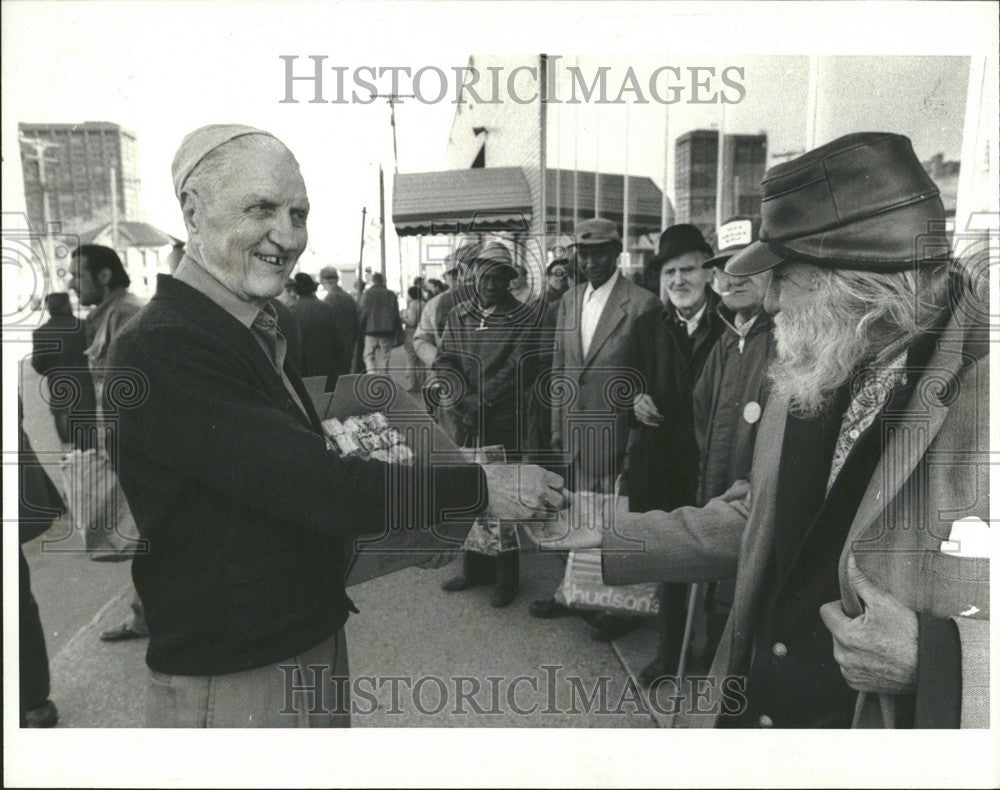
959	585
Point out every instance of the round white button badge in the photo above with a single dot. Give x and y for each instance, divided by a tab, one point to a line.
751	412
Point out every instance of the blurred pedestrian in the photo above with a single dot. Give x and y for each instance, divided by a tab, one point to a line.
58	354
288	297
323	347
346	309
411	319
380	324
427	337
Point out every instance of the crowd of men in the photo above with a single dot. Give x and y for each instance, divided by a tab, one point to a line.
732	410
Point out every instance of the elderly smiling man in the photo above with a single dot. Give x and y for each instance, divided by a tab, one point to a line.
248	515
862	566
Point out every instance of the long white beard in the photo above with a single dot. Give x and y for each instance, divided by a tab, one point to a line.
817	350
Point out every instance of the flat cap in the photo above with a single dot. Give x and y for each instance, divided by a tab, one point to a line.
862	201
200	143
596	231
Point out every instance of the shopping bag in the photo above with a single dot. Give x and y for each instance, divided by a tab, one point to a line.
583	587
97	505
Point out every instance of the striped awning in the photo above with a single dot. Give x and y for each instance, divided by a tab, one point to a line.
461	201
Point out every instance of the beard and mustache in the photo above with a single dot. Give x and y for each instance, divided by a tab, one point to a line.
819	347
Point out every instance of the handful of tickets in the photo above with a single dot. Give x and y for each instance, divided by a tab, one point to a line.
368	436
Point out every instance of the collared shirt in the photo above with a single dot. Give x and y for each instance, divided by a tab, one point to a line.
261	321
594	300
691	324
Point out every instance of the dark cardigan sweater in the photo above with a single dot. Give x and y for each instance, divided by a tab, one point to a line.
248	516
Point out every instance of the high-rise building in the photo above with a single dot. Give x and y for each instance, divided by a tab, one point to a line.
696	171
71	164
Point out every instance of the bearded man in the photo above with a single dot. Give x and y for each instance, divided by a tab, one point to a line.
861	552
248	513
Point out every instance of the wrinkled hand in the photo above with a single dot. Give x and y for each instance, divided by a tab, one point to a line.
522	492
581	526
737	496
877	651
646	412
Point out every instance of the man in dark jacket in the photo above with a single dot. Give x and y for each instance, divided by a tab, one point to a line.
347	312
672	345
485	346
58	353
322	344
248	514
380	324
730	396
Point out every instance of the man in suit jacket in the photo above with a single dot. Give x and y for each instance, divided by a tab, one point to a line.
862	556
593	365
248	512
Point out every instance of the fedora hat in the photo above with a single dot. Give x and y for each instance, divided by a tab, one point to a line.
678	239
863	201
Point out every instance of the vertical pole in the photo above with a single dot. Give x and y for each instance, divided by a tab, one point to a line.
625	191
361	253
543	77
720	166
812	102
381	215
597	160
576	160
558	172
665	202
114	210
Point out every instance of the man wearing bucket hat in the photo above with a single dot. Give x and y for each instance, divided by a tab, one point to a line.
862	588
249	515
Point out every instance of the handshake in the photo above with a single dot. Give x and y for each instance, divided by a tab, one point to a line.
554	517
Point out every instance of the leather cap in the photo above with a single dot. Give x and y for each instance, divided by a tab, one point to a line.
678	239
863	201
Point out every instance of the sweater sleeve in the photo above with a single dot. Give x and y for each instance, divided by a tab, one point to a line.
196	417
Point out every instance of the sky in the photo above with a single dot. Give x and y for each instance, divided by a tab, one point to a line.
162	69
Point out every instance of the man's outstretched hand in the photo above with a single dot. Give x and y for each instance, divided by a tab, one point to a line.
523	492
580	526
